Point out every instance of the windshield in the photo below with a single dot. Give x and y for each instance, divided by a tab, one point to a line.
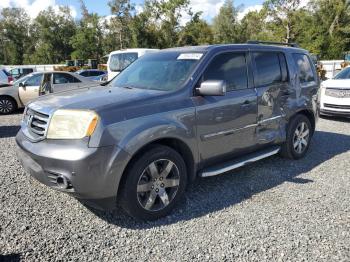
21	80
118	62
344	74
166	71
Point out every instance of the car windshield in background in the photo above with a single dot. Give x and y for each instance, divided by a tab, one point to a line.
345	74
166	71
121	61
6	73
22	79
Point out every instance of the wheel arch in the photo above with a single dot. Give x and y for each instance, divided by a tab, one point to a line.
176	144
310	115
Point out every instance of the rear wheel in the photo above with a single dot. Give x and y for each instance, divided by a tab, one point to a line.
154	183
299	135
7	105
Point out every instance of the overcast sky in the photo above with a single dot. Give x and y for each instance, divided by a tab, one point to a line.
209	7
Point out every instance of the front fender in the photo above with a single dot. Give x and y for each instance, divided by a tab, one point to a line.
133	134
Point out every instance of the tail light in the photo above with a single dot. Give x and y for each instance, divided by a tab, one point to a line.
10	79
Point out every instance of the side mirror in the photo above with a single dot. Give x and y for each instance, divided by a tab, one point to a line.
22	85
212	88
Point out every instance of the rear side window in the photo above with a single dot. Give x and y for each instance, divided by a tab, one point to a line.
230	67
306	74
271	68
64	79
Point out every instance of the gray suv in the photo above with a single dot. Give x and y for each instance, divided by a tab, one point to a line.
168	118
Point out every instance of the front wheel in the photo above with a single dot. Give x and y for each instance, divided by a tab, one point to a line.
299	135
7	105
153	183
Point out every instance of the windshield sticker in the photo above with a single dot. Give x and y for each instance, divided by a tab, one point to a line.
190	56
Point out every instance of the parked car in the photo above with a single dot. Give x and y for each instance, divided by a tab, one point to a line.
92	74
119	60
33	85
5	78
169	117
335	95
17	73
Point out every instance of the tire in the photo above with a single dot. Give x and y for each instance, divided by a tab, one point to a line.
299	134
153	183
7	105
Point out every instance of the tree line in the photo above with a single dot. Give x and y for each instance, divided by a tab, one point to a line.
321	26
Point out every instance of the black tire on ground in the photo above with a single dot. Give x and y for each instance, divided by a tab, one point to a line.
153	183
291	148
7	105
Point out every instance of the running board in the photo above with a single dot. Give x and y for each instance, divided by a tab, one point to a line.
233	164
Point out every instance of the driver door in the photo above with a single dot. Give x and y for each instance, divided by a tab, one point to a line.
28	90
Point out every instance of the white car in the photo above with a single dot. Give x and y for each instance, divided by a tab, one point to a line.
335	95
119	60
33	85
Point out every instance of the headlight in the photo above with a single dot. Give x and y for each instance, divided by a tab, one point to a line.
72	124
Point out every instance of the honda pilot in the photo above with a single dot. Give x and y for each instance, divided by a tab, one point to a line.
168	118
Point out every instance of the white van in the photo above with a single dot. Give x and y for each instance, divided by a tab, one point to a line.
119	60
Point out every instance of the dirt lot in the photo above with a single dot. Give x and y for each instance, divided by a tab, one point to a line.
274	210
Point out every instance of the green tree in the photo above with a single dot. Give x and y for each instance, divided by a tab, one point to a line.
87	42
52	32
331	26
283	13
225	25
196	32
119	27
253	26
14	38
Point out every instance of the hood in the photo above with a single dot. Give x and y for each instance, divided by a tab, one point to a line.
94	98
337	83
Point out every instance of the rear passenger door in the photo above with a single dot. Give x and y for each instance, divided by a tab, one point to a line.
64	82
273	90
226	124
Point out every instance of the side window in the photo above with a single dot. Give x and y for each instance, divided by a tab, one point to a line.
15	72
35	80
96	73
64	79
230	67
271	68
85	73
305	71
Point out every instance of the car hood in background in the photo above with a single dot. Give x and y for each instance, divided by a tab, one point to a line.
335	83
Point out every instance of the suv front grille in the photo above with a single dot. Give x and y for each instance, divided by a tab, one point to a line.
338	92
337	106
37	123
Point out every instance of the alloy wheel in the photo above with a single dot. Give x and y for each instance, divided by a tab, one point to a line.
158	185
301	138
6	106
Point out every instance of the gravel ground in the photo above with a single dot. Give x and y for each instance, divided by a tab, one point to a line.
274	210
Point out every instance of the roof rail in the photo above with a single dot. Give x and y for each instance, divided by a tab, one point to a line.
254	42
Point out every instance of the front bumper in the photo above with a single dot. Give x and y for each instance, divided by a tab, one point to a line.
94	173
332	106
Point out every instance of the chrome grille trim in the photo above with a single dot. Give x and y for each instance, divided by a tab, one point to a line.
338	92
36	124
